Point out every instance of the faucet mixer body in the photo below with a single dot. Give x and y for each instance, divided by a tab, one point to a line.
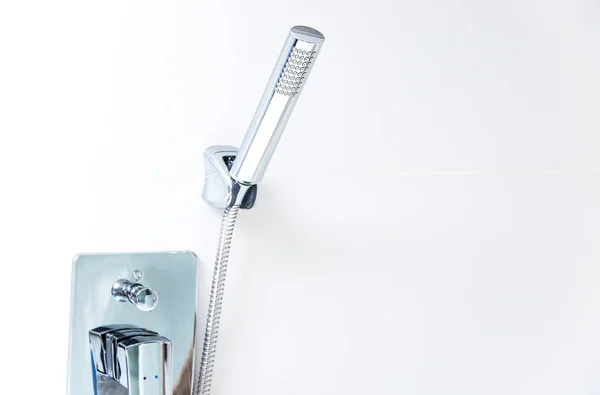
124	339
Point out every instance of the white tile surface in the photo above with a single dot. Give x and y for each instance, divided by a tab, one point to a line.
430	222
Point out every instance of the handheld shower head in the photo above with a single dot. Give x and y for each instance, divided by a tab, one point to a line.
232	186
281	94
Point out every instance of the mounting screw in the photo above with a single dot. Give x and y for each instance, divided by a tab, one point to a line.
137	275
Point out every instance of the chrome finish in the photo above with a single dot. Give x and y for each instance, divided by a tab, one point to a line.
220	190
136	361
111	341
137	275
217	290
279	98
102	361
145	365
123	344
229	185
143	298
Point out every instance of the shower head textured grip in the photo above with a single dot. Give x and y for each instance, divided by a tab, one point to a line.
295	72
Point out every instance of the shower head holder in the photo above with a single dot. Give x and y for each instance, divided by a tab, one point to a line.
231	174
220	190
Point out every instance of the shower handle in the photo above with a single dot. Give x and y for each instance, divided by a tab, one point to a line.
293	66
231	175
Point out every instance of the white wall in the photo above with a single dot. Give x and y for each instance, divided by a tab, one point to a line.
430	223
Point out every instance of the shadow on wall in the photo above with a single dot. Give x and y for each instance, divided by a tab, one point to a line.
184	385
278	225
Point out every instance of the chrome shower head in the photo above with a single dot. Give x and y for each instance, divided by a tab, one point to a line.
281	94
232	186
227	183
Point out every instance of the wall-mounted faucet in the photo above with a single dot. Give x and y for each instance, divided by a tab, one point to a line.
124	340
232	176
137	344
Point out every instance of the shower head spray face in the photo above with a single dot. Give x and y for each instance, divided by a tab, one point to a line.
295	62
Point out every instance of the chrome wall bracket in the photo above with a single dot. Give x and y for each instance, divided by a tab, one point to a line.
220	190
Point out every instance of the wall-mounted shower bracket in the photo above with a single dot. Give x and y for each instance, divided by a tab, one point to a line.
220	190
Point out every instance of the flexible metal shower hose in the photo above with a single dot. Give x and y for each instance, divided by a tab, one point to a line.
216	300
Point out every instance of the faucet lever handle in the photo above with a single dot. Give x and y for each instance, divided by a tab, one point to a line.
145	365
98	346
130	360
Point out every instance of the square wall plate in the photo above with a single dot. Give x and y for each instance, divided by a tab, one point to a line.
173	276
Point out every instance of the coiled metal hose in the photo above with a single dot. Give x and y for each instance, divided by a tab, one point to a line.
211	334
